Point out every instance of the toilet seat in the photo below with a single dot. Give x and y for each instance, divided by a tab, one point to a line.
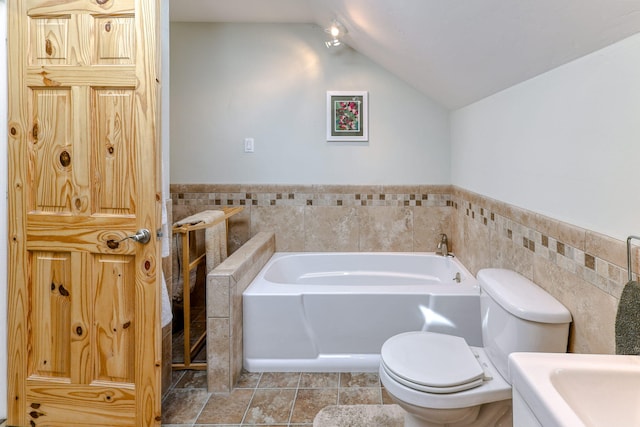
431	362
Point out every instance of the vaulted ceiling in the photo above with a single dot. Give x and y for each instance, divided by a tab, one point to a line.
454	51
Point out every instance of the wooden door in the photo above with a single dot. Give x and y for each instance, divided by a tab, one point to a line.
84	311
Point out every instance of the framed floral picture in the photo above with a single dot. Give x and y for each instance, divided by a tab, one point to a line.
347	116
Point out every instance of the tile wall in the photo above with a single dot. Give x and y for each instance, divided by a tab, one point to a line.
583	269
328	218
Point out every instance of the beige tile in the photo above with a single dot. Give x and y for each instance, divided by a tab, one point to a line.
183	211
384	228
593	310
240	262
287	222
330	229
226	409
360	396
359	379
545	225
218	355
248	379
279	380
512	255
193	379
607	248
270	406
475	252
310	401
236	346
319	380
518	214
571	235
218	288
428	224
239	230
182	406
437	189
260	249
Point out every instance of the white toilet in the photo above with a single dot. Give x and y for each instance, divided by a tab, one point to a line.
441	381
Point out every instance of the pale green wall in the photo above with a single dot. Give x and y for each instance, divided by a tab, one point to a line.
565	144
269	82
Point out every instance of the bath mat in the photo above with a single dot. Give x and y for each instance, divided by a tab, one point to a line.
360	416
628	320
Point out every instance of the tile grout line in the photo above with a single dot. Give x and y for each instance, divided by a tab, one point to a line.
255	388
338	393
204	405
295	397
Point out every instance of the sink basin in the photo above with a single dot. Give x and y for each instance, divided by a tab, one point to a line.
575	390
601	398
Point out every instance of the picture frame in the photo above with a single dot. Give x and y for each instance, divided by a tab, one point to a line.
347	115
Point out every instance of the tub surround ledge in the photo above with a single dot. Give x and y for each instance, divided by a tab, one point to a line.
225	285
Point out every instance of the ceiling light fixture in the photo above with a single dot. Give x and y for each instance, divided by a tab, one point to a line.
336	31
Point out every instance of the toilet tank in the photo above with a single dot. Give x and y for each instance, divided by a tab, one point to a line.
518	315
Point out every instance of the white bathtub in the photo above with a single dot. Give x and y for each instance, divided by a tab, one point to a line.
331	312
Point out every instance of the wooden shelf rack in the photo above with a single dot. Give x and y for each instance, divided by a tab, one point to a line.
188	265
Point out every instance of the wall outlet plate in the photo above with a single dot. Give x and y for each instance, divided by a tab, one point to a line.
248	145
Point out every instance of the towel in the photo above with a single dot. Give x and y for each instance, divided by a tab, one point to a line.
215	247
628	320
167	315
215	240
206	217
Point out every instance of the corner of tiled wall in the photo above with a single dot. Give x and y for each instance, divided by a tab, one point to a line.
225	285
584	270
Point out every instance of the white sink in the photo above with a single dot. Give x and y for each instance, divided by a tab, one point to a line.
576	390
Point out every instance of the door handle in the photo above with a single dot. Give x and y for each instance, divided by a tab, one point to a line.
142	236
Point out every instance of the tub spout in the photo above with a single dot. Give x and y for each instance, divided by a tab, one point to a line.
443	245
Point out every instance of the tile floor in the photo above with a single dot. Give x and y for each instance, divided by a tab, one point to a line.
266	399
259	399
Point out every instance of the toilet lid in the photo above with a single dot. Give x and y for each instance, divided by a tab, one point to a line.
431	362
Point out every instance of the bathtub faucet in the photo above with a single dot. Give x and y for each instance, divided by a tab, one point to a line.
443	246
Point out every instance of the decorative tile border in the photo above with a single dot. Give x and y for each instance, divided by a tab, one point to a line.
603	274
313	196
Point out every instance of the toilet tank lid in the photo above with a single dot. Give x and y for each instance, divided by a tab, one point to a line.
521	297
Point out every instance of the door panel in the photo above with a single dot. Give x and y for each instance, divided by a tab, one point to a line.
114	329
51	290
94	406
84	305
116	42
50	41
114	167
51	150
